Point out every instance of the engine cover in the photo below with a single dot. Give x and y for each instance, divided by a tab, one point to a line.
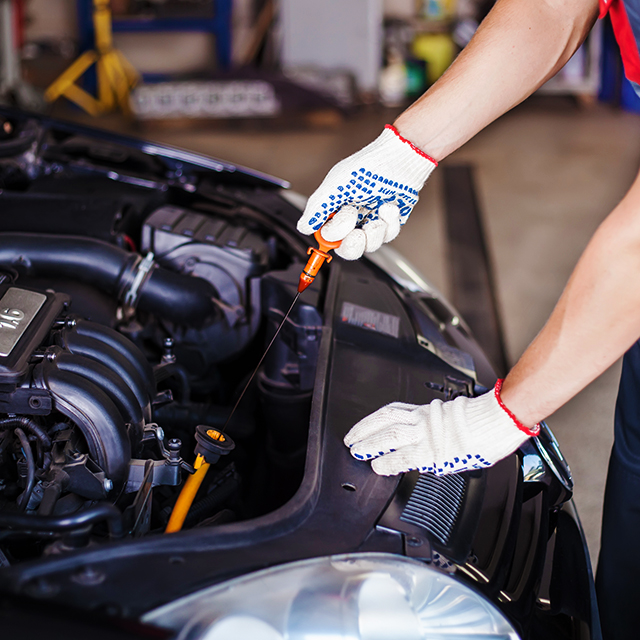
62	370
26	317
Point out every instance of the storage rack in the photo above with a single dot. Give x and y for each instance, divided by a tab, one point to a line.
218	25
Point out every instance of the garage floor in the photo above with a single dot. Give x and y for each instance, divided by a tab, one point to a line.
547	174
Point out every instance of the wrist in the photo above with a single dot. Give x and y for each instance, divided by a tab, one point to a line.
409	143
521	420
414	130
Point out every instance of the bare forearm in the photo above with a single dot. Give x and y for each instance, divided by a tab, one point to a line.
520	45
595	321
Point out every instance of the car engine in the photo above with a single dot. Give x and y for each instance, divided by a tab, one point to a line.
133	308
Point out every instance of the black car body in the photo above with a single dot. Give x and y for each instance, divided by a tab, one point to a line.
153	279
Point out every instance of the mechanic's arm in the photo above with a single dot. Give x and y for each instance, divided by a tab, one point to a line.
595	321
517	48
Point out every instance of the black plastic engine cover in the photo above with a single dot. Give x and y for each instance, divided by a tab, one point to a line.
26	316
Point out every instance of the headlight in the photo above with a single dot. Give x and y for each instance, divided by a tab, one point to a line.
368	596
549	449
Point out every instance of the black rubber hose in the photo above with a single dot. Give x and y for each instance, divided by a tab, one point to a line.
175	371
60	524
173	296
23	501
28	425
179	298
226	487
83	259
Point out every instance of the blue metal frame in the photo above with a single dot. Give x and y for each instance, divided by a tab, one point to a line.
219	25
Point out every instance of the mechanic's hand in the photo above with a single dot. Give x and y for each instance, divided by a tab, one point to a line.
441	437
374	191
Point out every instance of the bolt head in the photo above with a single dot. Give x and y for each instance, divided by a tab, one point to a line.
89	577
108	484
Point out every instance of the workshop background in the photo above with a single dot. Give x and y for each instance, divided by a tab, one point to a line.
289	87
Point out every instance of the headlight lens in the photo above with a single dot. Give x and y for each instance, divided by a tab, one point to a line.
355	596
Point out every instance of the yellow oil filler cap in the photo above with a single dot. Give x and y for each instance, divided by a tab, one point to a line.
211	443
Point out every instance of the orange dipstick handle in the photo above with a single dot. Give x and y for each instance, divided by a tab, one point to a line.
316	259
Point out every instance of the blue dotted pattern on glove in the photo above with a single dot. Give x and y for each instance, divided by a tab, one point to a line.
464	463
370	190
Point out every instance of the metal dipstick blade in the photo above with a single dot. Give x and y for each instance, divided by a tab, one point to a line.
253	375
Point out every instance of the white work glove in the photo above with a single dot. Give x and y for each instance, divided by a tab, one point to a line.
441	437
374	191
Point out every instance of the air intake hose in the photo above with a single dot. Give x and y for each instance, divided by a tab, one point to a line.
173	296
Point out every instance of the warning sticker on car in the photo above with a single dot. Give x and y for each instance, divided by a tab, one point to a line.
370	319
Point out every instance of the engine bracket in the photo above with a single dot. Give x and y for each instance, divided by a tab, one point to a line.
33	402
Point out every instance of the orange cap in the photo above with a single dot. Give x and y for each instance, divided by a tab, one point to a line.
316	259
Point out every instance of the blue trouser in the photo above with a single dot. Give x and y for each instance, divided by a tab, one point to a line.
618	577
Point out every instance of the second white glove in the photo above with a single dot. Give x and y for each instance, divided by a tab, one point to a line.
441	437
373	192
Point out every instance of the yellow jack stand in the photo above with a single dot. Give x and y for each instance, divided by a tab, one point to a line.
116	76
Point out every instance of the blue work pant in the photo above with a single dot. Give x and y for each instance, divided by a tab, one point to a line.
618	576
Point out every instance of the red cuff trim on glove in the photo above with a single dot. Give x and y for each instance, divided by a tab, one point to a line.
413	146
534	431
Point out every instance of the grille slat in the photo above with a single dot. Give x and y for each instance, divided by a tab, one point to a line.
435	503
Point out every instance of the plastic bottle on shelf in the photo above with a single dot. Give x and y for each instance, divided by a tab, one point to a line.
392	84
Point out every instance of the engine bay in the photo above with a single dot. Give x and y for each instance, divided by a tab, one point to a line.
139	287
136	297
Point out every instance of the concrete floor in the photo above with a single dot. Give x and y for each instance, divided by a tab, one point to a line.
547	174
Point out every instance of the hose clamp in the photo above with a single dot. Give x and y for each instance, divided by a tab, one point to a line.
142	272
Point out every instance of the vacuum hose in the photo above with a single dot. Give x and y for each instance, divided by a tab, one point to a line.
61	524
173	296
28	425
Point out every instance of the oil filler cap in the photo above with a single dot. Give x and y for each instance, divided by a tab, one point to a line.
211	443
